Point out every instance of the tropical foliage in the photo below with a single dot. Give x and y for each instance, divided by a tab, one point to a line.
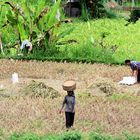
26	20
72	136
96	8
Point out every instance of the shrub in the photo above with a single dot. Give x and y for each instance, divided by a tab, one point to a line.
131	137
97	136
50	137
71	136
24	136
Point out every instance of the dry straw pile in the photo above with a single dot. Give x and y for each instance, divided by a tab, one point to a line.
39	89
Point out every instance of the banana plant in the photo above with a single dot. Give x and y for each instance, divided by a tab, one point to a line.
29	19
35	22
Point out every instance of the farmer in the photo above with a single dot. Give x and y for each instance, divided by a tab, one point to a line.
135	66
26	46
69	103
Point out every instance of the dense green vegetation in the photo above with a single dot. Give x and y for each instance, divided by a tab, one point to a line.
29	21
72	136
103	40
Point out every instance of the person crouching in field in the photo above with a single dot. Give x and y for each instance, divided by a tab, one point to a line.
26	47
69	103
135	66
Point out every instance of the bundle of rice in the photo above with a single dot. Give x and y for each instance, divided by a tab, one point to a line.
69	85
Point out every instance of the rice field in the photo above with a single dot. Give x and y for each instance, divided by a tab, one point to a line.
115	113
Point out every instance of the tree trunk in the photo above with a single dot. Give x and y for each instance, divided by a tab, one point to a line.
1	47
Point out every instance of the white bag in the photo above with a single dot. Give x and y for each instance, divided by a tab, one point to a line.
15	78
128	80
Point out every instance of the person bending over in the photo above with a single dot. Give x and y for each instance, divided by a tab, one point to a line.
135	67
26	46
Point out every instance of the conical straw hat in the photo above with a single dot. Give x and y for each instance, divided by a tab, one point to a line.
69	85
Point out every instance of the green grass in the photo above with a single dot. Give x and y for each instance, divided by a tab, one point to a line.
89	34
72	135
137	4
119	97
102	40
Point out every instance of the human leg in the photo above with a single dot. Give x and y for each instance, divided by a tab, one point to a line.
72	118
67	115
138	76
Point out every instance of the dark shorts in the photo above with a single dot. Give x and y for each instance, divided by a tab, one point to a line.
138	76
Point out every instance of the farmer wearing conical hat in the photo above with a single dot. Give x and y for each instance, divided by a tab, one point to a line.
69	103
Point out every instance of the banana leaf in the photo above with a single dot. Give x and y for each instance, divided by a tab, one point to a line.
23	33
51	16
65	33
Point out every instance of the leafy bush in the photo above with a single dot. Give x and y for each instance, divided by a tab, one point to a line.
71	136
131	137
111	14
24	136
50	137
97	136
31	136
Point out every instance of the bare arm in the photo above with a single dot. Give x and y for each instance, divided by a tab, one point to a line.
136	70
63	104
132	73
